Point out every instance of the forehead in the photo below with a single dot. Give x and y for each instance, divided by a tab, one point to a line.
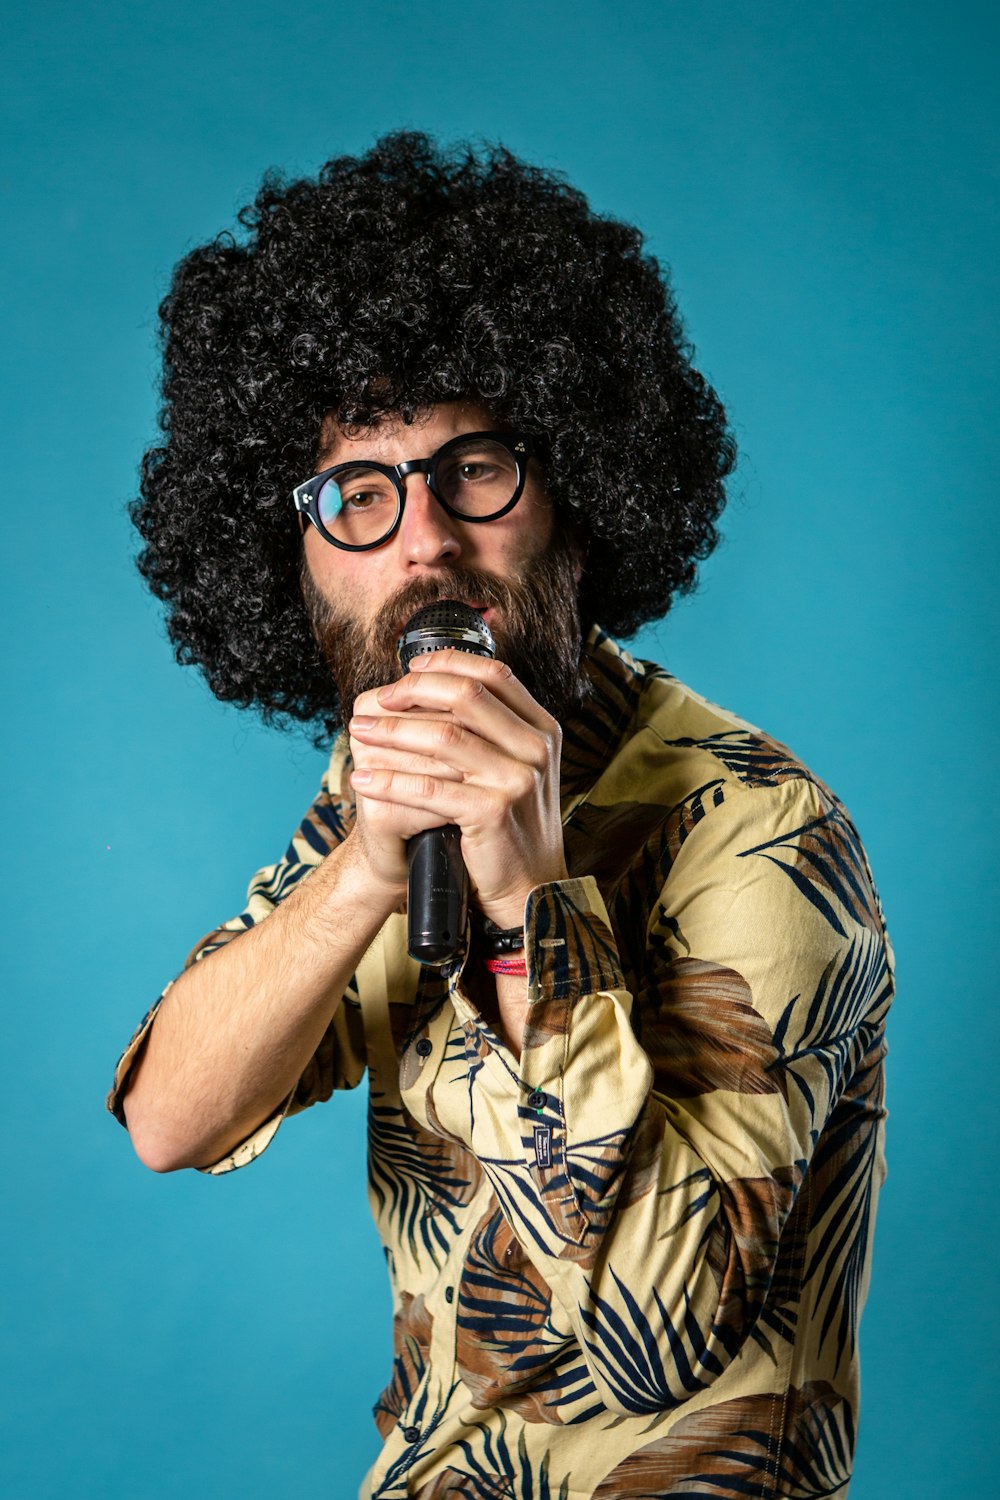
394	441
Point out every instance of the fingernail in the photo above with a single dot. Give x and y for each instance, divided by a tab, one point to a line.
361	721
419	663
361	778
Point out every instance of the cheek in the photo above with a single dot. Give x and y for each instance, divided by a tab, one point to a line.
341	578
540	514
323	562
313	550
534	532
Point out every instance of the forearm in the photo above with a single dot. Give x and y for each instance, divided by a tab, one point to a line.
236	1030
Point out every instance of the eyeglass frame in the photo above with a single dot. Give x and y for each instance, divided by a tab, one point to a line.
520	445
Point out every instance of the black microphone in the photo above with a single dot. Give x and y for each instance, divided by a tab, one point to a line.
438	893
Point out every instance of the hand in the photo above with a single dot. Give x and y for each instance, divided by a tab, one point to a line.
459	740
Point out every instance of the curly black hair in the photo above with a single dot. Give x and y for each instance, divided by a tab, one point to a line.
404	277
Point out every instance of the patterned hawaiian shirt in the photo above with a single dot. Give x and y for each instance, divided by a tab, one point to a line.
633	1261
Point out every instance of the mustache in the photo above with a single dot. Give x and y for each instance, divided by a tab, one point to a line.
466	585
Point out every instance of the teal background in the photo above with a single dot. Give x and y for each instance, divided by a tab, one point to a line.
822	181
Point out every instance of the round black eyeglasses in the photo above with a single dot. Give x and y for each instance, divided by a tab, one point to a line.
478	476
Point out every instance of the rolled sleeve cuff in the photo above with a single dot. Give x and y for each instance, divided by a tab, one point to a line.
128	1059
247	1151
570	949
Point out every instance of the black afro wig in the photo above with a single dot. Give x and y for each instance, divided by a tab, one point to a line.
408	276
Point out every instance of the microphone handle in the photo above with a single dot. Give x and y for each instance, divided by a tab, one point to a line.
438	895
438	887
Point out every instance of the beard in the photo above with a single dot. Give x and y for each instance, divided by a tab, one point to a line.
536	627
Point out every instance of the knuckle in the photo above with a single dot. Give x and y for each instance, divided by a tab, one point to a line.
525	782
495	806
499	670
540	753
449	734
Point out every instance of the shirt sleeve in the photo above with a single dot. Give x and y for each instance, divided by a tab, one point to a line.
647	1147
339	1060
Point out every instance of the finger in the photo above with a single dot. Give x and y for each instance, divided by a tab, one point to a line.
386	820
470	698
444	741
468	720
368	704
373	754
494	675
471	807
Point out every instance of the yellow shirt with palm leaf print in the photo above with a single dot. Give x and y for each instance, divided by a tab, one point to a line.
633	1261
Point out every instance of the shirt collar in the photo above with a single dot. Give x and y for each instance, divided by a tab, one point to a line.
593	734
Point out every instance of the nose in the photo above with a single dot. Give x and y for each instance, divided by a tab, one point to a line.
427	533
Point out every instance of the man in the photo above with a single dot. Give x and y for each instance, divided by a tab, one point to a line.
626	1149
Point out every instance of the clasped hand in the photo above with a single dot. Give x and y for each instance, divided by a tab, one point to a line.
458	739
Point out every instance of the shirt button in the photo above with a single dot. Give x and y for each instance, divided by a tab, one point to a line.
449	1294
412	1434
424	1047
537	1100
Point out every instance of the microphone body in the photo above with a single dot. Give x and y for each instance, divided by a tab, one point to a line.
438	886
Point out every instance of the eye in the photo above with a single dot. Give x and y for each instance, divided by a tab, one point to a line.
359	499
355	493
472	469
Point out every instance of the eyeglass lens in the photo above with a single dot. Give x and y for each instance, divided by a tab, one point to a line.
360	504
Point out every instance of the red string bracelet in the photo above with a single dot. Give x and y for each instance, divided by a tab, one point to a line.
506	965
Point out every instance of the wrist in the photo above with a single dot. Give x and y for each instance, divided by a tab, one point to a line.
371	888
508	910
502	915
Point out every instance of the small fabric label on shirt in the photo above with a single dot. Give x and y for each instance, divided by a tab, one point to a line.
543	1145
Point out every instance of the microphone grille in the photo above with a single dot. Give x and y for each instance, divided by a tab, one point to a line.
446	624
